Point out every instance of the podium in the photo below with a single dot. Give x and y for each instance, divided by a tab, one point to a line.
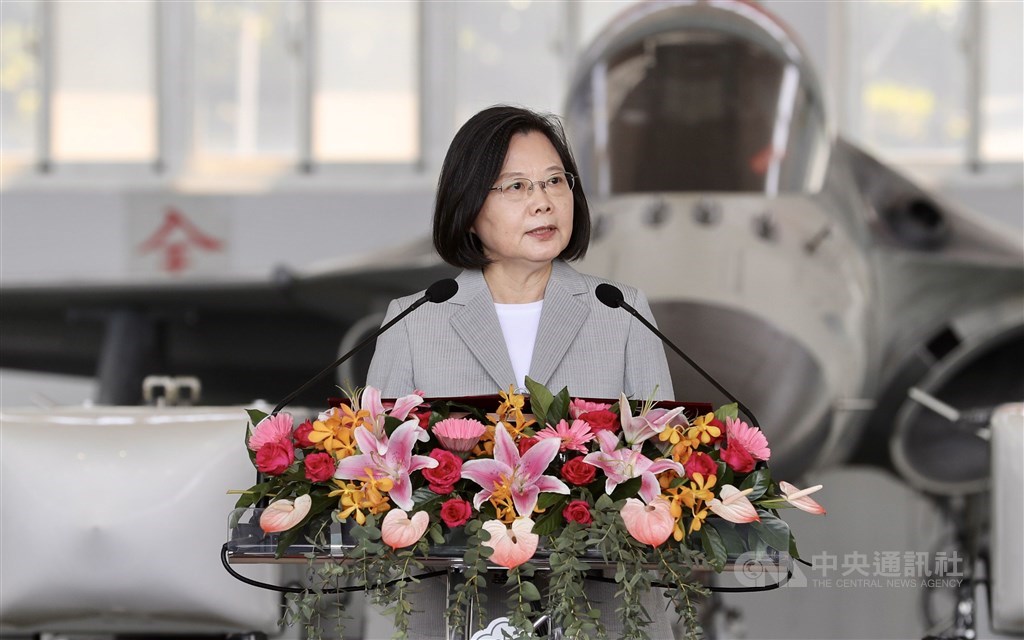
601	482
247	545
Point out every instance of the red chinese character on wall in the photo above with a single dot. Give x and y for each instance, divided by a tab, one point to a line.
175	238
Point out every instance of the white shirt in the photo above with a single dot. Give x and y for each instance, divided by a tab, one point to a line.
519	324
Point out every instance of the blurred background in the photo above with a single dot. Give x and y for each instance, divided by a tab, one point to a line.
151	145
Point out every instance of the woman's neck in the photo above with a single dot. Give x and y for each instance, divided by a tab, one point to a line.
511	285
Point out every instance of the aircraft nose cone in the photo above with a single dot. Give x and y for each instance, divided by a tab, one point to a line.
767	370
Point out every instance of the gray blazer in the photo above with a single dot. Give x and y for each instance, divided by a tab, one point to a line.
456	348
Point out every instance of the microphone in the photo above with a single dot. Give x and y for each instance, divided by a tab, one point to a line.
440	291
611	296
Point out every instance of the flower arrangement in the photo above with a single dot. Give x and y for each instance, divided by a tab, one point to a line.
637	485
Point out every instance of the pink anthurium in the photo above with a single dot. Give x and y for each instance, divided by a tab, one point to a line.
399	530
522	476
650	422
798	498
650	523
371	402
733	505
281	515
622	464
395	462
512	545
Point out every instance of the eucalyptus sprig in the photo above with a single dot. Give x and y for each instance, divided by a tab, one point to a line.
568	604
681	588
468	593
521	596
628	556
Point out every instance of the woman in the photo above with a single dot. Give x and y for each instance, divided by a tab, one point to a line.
510	211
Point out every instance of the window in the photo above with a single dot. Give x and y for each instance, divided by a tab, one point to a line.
246	66
1002	101
366	106
103	88
907	81
509	52
19	78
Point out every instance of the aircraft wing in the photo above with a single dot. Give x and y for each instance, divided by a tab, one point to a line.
243	339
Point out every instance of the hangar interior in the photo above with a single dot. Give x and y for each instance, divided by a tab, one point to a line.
171	167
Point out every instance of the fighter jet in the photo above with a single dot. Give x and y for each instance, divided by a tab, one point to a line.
814	282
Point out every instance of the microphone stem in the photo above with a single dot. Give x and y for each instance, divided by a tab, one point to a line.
697	367
334	365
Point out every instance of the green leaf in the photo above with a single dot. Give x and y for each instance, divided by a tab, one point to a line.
391	423
255	416
792	546
713	545
529	591
552	519
774	531
727	411
758	481
256	493
540	399
559	407
422	496
547	499
627	489
734	543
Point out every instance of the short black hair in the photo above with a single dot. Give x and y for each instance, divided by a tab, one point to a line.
470	168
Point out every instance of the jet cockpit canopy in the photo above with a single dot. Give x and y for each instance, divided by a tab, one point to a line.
697	96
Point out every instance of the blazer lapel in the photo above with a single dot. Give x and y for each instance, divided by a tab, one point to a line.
560	321
476	323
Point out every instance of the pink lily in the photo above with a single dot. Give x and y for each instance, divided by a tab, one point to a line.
734	505
798	498
395	461
512	545
649	423
370	400
522	476
622	464
281	515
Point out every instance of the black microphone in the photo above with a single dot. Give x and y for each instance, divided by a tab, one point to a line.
611	296
438	292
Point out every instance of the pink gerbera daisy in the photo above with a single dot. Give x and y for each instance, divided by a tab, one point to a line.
573	437
578	407
750	438
275	428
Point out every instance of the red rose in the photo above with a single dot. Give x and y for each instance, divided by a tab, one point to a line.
525	444
577	511
275	457
578	472
602	420
738	458
423	418
443	477
456	512
319	467
700	463
301	434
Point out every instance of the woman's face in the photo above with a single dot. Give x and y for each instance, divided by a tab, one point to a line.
534	230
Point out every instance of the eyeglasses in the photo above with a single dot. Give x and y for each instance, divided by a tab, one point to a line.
518	189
